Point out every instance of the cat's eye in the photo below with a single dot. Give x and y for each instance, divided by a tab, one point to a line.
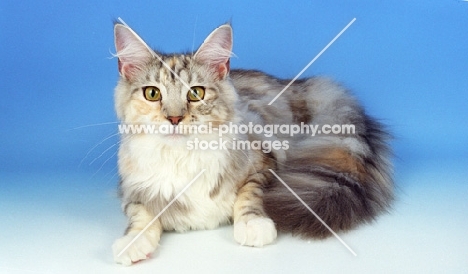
152	93
196	93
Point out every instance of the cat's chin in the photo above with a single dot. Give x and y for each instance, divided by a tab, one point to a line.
174	139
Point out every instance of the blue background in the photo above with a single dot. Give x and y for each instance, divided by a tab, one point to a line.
406	61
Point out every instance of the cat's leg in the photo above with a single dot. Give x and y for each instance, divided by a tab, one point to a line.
145	244
252	227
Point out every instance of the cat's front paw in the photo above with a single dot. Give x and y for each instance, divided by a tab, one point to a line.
256	232
139	250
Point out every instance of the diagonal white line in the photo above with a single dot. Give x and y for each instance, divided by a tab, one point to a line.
313	60
177	76
92	125
313	212
159	58
160	213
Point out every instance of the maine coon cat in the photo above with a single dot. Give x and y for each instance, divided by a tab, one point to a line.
345	177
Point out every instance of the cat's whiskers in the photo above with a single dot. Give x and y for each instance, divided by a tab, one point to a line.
120	142
95	146
228	138
102	165
113	170
348	181
93	125
100	155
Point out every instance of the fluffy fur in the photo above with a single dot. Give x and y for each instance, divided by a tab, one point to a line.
345	178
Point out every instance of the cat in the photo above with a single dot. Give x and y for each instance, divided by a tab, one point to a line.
165	184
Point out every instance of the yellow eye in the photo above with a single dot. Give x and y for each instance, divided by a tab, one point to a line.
196	94
152	93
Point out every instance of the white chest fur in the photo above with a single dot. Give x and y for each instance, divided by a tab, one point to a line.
155	171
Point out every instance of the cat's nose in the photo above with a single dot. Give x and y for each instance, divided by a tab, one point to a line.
175	120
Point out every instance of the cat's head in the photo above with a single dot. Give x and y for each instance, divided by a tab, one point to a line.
174	89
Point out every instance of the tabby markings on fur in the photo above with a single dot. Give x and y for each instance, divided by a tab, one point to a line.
344	178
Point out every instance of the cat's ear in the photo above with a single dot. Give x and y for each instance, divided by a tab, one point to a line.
132	52
216	50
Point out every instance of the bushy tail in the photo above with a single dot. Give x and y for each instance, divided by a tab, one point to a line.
343	188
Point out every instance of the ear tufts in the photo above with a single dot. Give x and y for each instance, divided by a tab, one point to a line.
132	51
216	50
